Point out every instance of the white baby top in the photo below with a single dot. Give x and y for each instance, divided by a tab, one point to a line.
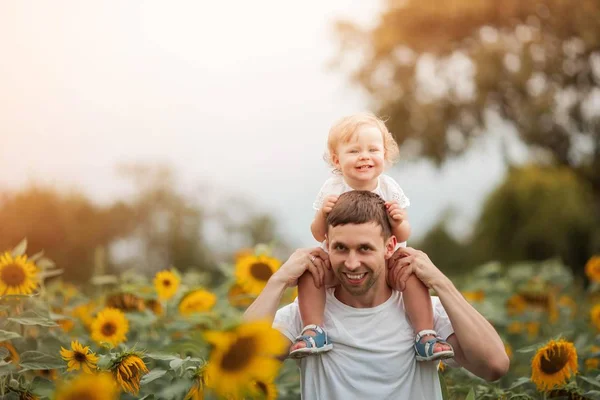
387	188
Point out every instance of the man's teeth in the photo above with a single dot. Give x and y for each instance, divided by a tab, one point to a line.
355	277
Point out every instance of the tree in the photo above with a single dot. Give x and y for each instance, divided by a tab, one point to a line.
535	214
437	68
68	227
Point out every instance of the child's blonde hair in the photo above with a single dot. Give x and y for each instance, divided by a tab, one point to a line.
344	130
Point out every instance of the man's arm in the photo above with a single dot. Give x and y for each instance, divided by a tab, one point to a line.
477	345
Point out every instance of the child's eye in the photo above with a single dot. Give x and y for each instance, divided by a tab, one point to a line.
374	150
353	151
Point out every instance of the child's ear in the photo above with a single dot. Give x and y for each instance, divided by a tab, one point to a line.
390	247
336	160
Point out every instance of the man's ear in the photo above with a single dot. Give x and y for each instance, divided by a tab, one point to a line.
390	246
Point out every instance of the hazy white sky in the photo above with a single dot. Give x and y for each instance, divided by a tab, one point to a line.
236	94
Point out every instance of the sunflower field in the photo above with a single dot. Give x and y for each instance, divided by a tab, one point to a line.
173	337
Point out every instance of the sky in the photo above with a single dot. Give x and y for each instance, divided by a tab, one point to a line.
234	95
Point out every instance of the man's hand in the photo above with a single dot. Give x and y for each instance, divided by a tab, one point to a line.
407	261
315	260
328	204
396	214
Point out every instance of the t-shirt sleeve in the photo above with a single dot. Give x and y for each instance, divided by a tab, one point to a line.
393	191
288	322
330	187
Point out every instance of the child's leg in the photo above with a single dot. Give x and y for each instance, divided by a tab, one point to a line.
311	301
417	303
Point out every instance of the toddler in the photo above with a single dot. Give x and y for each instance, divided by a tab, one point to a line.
359	149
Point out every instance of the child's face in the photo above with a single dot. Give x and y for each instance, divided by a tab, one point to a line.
361	160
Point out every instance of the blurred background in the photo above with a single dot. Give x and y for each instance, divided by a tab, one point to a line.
147	134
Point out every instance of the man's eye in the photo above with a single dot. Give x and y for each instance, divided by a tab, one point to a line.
365	248
338	247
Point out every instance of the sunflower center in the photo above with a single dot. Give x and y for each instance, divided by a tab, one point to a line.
262	387
13	275
239	355
109	329
78	356
166	282
556	359
261	271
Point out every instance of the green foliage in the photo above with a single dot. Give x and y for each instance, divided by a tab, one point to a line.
535	214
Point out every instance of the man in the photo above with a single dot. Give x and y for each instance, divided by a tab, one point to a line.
373	355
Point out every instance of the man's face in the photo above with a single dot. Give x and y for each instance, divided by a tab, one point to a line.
357	254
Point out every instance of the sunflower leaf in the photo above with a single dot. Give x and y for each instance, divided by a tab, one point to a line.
42	387
592	394
178	362
519	382
444	387
7	335
152	376
3	354
161	357
20	249
591	381
45	263
35	360
31	317
471	395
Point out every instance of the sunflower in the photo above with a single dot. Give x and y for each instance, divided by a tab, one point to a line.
85	313
50	374
568	302
533	329
509	351
516	304
242	356
593	362
197	390
166	284
26	395
89	387
253	272
238	297
198	300
155	306
474	296
79	357
17	275
66	325
595	316
553	364
128	370
264	390
12	356
126	302
110	326
592	269
515	327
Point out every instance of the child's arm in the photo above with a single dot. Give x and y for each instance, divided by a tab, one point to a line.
319	224
399	221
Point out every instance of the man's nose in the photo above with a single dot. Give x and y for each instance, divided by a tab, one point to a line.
352	262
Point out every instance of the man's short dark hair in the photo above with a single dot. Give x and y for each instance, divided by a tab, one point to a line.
360	207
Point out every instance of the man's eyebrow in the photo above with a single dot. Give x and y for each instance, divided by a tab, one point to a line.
337	242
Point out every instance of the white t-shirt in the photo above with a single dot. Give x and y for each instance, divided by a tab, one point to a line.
387	188
373	355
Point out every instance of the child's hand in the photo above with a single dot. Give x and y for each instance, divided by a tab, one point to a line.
396	214
328	204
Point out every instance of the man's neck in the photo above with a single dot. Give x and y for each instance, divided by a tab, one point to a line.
379	293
